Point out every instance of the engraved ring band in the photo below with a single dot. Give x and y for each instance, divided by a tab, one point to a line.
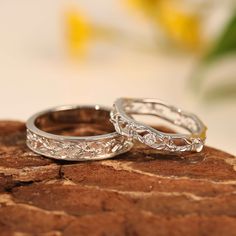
125	124
49	134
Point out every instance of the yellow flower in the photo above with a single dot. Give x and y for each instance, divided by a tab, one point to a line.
181	27
78	32
147	6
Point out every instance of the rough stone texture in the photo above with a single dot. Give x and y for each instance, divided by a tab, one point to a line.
139	193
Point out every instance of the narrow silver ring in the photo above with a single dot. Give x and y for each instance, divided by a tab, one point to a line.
42	140
121	117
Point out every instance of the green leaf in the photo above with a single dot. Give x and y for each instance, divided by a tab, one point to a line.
221	92
226	43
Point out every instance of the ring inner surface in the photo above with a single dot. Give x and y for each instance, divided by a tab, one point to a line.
164	112
76	122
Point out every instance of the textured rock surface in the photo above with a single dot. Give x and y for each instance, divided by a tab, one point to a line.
139	193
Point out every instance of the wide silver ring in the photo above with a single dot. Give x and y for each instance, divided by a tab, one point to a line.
125	124
44	134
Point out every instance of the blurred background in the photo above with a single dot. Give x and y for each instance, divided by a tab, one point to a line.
85	52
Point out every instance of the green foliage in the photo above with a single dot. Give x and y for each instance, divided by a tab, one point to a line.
226	43
220	92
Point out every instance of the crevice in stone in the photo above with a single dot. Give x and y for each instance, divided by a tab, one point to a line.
9	189
61	172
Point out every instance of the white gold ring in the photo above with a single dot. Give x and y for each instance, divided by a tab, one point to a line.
125	124
47	134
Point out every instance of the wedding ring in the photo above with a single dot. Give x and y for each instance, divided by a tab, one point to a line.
48	134
125	124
